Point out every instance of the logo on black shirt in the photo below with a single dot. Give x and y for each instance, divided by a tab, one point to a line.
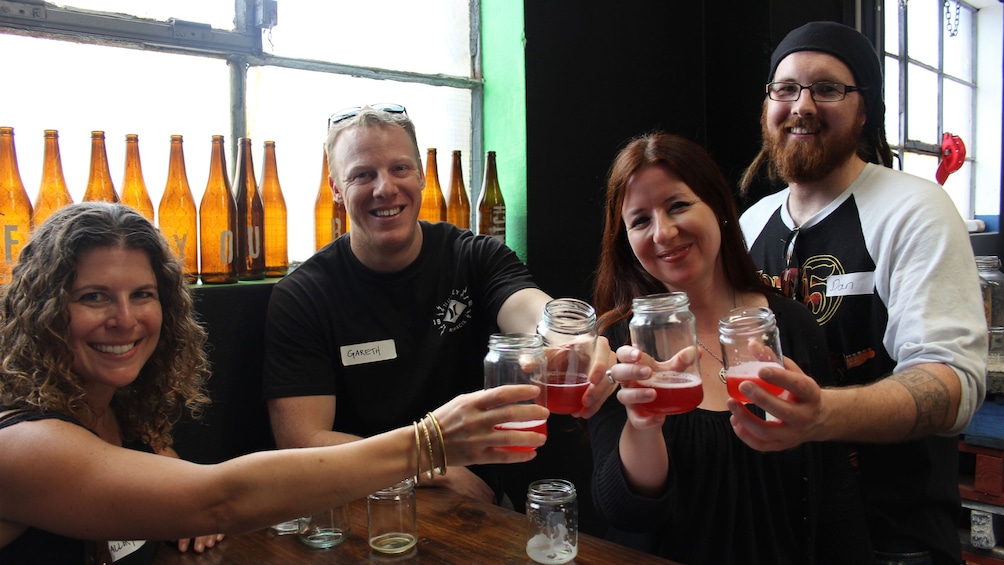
454	313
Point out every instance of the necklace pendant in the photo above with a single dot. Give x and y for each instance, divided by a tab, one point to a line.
721	375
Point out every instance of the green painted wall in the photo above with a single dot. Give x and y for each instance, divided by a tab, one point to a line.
504	71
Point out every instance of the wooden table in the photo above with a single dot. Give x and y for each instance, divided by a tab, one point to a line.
452	530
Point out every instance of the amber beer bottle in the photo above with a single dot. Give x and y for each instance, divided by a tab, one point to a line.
458	207
341	225
52	191
324	210
250	217
14	205
99	183
433	204
218	222
177	216
133	186
491	206
276	228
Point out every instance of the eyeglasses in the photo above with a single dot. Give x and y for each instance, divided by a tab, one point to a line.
790	276
350	112
820	91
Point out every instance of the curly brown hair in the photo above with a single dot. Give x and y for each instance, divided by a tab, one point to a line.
35	363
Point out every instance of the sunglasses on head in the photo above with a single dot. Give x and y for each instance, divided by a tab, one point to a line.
350	112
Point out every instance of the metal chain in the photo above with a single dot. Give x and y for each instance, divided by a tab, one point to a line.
953	30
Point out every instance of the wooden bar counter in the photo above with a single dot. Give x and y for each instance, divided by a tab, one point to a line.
452	530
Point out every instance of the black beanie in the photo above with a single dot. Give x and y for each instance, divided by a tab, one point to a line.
848	45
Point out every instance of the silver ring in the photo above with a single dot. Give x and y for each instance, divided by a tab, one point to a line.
610	377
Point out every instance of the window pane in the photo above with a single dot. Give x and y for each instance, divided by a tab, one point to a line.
76	88
959	49
958	109
217	13
891	29
430	37
924	19
959	187
892	110
922	104
292	107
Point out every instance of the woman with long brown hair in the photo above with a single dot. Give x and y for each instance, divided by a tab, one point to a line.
684	486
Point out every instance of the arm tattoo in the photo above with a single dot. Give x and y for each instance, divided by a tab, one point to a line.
931	397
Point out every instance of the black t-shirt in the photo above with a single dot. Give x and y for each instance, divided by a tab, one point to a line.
390	346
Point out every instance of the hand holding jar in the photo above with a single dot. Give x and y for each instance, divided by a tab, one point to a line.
663	329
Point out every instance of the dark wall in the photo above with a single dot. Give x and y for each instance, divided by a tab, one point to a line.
237	421
599	73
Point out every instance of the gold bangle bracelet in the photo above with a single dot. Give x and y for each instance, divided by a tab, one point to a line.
428	440
418	454
442	441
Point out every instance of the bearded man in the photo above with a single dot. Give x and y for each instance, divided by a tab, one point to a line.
883	260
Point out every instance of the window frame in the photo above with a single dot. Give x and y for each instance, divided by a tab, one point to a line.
901	143
240	47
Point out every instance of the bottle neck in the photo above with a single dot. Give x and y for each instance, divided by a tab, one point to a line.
9	173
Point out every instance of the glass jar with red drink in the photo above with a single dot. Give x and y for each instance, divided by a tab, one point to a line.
662	326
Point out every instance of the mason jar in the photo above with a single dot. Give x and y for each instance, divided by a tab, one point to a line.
552	521
393	518
513	359
663	326
568	326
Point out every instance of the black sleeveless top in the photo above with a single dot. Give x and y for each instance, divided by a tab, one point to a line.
36	546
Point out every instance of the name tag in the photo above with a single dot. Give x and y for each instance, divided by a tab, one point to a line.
850	284
121	549
371	352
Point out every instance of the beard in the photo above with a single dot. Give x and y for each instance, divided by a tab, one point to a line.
808	161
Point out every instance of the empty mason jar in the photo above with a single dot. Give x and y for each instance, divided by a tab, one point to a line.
393	518
552	521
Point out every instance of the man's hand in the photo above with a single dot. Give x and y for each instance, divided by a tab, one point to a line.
797	412
599	386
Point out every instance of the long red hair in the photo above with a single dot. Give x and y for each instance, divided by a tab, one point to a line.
620	276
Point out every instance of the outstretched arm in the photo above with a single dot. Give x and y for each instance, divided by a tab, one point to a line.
917	402
60	477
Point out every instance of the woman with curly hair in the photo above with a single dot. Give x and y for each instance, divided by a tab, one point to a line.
100	356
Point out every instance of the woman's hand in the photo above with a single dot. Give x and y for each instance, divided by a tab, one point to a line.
637	366
468	425
201	543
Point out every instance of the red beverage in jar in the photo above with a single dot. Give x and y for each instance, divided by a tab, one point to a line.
539	426
564	391
748	372
675	392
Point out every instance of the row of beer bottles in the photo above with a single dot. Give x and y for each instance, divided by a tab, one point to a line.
238	236
454	207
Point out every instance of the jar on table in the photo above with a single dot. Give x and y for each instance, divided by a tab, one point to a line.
393	518
552	521
992	287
